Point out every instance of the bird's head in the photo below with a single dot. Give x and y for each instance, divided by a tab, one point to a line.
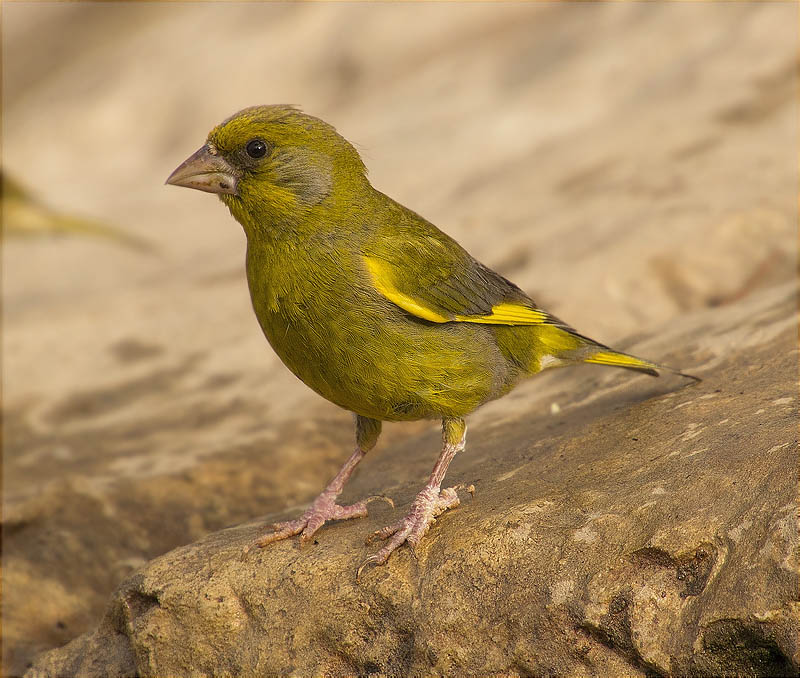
274	162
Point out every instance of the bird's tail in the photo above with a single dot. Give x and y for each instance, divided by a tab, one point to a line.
607	356
567	346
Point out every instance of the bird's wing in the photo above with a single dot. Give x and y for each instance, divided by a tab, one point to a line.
429	275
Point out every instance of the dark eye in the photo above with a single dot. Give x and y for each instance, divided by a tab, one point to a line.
256	148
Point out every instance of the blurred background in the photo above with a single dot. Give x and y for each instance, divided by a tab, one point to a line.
627	164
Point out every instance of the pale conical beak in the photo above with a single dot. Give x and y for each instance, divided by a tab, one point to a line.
207	171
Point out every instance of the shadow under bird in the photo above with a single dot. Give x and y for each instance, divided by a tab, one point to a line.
371	305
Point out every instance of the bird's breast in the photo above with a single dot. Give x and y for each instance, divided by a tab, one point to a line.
336	333
308	302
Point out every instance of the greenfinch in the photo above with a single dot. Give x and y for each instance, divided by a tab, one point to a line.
369	304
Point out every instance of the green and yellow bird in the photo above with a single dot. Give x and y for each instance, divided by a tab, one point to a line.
369	304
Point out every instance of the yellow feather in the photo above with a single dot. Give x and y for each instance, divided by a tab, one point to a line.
505	313
557	340
618	359
407	303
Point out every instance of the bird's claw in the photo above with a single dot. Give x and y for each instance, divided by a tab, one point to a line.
379	497
321	510
372	560
384	532
409	530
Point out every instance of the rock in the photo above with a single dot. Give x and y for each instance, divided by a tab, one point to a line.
630	165
649	528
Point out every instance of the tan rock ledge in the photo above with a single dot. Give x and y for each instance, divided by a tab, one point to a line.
649	529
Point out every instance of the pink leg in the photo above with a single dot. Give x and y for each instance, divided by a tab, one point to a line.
429	503
324	507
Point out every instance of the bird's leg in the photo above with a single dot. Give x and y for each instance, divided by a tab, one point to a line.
324	507
430	502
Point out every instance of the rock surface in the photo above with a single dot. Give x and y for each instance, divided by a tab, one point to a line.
643	529
632	166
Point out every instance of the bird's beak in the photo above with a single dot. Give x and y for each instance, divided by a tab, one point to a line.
206	170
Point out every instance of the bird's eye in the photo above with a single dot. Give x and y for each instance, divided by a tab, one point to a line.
256	148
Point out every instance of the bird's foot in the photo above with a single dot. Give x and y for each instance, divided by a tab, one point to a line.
323	508
428	504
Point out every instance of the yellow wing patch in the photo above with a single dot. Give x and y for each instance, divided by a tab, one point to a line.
505	313
377	270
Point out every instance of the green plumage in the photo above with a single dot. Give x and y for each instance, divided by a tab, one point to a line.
368	303
320	312
311	217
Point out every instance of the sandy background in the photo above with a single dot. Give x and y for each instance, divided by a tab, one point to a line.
626	164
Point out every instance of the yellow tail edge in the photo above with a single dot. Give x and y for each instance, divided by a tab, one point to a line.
614	359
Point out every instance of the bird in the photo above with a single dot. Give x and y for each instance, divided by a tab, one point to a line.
371	305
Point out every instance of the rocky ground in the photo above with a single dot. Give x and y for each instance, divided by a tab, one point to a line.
631	166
